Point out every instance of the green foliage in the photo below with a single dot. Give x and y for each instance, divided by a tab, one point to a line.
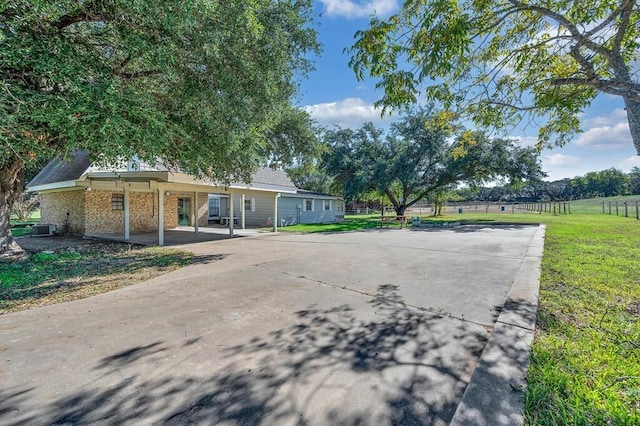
310	177
25	206
200	84
604	183
417	158
502	61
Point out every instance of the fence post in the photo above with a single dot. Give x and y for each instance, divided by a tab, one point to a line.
554	207
486	208
513	207
616	208
602	206
609	207
626	212
569	205
564	207
637	216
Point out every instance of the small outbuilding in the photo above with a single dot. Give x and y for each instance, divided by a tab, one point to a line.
82	199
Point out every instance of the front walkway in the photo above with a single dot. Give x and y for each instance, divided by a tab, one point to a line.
180	235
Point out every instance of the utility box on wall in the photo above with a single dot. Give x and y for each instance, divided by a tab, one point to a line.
43	230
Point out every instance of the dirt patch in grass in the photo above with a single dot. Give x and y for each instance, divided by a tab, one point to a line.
59	269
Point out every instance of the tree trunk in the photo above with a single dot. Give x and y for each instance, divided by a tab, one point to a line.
633	116
11	186
400	209
437	208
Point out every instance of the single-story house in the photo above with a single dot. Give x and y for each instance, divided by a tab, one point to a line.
82	199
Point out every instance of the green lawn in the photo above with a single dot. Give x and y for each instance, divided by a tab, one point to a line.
19	229
46	278
594	205
352	223
585	364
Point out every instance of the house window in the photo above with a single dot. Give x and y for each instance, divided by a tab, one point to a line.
327	205
214	207
117	202
250	204
308	205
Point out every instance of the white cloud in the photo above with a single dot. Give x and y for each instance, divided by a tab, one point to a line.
359	9
606	131
561	160
629	163
618	115
526	141
349	112
606	137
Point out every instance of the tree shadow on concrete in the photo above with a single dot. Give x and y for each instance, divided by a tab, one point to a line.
389	364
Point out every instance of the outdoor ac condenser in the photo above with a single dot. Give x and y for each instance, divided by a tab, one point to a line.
43	230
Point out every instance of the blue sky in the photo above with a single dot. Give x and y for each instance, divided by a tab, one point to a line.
332	95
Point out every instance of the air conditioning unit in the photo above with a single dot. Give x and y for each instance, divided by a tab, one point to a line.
43	230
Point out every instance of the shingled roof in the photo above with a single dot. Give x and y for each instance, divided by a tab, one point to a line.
59	170
268	178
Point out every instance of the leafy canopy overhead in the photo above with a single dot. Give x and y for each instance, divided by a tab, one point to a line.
422	154
201	84
504	61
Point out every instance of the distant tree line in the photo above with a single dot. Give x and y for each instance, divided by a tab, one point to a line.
604	183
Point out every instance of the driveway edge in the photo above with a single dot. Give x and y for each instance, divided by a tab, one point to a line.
494	395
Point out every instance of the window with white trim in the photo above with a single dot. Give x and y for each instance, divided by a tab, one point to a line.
250	204
308	205
327	205
117	201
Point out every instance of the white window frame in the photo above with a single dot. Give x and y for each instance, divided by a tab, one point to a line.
324	205
313	205
253	205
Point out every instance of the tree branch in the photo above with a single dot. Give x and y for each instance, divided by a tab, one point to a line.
564	22
137	74
67	20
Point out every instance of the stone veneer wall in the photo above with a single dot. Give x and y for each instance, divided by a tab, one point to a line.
143	208
99	217
64	209
90	212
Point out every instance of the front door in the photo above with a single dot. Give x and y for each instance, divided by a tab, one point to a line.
184	211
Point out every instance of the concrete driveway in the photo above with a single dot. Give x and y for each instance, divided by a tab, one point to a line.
377	327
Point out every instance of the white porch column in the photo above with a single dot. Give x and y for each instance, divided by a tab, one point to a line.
126	212
275	212
242	211
196	211
230	214
160	216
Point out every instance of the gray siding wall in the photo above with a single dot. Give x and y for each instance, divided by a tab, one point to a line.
287	210
263	208
318	215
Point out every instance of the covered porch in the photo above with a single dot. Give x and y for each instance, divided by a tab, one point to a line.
165	186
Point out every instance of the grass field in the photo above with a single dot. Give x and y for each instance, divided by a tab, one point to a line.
46	278
585	363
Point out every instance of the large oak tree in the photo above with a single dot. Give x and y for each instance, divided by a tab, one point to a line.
205	85
423	153
503	61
